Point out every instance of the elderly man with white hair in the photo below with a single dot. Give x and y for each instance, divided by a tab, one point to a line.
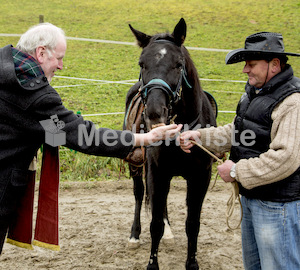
26	98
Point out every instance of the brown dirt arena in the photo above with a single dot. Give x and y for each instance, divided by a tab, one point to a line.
95	221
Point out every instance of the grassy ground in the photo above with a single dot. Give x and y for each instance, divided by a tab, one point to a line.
211	24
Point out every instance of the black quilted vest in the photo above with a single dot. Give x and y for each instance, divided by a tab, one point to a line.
254	115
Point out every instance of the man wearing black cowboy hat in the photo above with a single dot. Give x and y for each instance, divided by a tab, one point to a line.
264	145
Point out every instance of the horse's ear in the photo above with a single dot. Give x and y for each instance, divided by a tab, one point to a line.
142	39
180	32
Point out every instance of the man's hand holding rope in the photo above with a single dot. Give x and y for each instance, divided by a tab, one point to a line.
192	137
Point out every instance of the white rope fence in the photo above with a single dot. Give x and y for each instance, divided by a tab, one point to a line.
135	80
131	82
121	42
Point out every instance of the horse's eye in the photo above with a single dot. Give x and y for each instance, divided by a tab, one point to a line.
141	64
179	65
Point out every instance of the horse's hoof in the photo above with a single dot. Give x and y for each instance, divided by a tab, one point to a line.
133	243
192	265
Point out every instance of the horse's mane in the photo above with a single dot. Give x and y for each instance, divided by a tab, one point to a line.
191	69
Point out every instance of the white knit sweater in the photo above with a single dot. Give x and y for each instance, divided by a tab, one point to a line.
283	157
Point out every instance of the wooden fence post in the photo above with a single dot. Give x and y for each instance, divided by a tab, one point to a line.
41	18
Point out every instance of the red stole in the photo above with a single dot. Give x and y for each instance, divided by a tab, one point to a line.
46	227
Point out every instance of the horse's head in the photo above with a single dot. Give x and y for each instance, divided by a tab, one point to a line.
162	71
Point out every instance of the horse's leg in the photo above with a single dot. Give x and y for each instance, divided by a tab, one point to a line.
158	189
196	190
138	190
168	237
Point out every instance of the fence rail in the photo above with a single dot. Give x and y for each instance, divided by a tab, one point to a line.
121	42
129	82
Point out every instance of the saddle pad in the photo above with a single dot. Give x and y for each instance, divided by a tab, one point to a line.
134	113
133	120
213	103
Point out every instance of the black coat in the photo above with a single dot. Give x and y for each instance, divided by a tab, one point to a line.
21	134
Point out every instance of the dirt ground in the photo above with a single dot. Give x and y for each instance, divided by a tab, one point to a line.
95	221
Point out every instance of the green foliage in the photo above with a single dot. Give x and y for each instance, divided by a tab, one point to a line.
80	167
211	24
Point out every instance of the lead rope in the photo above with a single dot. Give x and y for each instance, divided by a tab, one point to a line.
234	194
235	188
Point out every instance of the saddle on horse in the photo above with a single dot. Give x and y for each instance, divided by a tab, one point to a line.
134	121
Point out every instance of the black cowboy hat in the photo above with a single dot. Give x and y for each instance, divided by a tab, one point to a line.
262	45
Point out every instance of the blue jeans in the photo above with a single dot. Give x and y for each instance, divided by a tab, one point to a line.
270	235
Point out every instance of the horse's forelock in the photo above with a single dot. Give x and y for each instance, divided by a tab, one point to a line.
164	36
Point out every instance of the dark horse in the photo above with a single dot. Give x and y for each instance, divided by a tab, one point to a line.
169	88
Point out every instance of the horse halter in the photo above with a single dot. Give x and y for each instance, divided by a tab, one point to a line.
174	96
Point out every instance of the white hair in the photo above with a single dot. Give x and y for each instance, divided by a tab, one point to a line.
44	34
